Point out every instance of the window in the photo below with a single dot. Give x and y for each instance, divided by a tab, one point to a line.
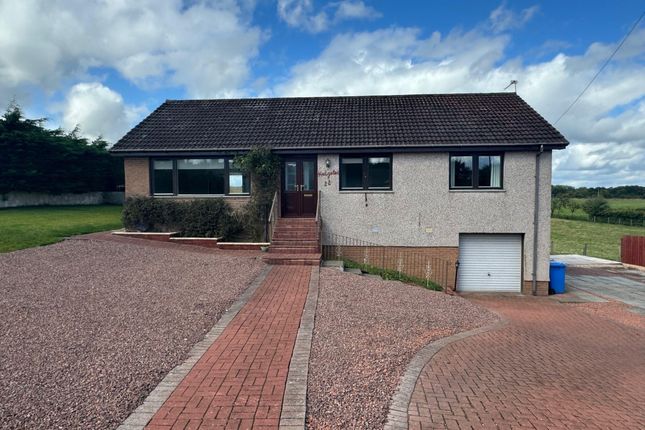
476	171
198	176
366	173
238	182
162	176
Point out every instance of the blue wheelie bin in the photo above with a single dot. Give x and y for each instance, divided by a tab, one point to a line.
556	276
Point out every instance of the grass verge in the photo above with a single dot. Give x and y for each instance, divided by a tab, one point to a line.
34	226
392	275
603	240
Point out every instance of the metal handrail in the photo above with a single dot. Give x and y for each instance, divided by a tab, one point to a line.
273	203
318	207
319	222
273	216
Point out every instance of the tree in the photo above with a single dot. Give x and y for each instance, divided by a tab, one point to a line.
573	205
36	159
596	206
557	204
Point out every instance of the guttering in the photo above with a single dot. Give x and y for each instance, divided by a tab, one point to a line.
536	212
335	149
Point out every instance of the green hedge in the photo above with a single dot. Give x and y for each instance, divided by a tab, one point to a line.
36	159
627	214
197	218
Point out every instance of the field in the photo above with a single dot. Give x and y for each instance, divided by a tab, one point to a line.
613	204
26	227
603	240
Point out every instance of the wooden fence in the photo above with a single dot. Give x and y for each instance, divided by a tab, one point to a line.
632	250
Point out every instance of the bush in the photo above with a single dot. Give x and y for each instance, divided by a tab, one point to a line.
597	206
208	218
197	218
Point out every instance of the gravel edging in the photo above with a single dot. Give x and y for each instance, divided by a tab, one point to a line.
294	405
144	413
397	418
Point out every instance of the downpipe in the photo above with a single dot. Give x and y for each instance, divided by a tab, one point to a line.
536	212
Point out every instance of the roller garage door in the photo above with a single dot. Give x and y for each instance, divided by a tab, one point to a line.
490	262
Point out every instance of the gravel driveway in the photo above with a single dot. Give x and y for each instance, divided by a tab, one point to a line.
365	334
89	327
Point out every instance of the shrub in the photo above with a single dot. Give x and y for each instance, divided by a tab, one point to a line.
597	206
198	218
208	218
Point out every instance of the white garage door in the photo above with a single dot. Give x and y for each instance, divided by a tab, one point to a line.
490	262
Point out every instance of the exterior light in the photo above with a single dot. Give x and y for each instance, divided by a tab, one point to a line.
328	163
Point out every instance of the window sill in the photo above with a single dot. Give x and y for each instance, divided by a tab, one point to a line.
477	190
366	191
200	196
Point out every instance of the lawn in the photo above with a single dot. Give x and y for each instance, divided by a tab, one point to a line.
33	226
603	240
613	204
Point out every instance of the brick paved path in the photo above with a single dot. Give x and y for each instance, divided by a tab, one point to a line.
551	366
240	381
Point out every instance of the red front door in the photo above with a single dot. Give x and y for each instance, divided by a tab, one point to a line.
299	187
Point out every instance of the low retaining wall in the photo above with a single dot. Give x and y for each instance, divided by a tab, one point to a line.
17	199
435	263
206	242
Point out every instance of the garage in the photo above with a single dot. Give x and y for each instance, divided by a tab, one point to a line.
490	262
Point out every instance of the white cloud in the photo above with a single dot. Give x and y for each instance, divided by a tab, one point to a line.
205	47
302	13
503	19
354	10
98	111
606	127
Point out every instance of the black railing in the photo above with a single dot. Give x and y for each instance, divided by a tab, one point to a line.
409	264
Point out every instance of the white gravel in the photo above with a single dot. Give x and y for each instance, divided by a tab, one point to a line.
365	334
89	327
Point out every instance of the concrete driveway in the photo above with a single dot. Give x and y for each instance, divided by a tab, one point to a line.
605	278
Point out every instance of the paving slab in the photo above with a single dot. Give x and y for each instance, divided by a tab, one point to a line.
584	260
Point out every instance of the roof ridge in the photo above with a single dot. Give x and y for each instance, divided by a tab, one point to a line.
499	93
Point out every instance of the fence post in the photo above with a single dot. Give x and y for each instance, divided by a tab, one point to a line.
584	250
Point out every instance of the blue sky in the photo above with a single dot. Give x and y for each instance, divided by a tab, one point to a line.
105	65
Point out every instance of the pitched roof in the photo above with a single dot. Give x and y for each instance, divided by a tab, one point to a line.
417	121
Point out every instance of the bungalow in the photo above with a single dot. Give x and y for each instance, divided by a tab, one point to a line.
466	176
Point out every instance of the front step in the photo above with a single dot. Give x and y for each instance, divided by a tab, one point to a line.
294	249
293	259
295	241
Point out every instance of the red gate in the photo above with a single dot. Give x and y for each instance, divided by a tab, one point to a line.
632	250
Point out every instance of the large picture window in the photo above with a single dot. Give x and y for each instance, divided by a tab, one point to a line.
366	173
198	176
476	171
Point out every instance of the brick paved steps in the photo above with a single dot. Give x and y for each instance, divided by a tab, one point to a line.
296	241
294	249
292	259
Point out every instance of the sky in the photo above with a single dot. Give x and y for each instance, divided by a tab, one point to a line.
103	65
